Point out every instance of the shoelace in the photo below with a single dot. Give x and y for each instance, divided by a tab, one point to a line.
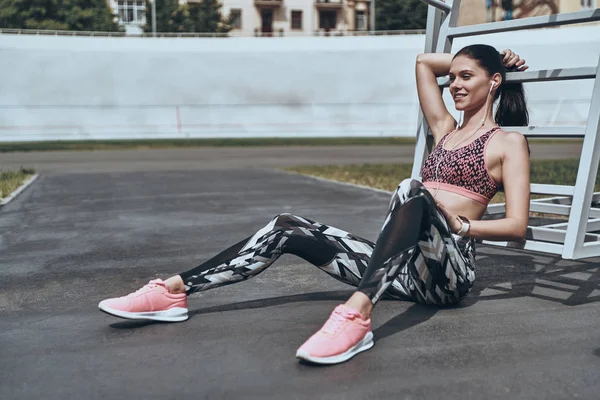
337	320
150	285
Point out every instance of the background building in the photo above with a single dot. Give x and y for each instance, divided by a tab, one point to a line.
481	11
270	17
335	17
296	17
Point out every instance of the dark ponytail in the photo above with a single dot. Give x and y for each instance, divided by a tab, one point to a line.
512	109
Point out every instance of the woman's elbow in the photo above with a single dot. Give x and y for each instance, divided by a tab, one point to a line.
520	232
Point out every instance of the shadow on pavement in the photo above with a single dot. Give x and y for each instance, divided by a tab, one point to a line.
570	283
415	315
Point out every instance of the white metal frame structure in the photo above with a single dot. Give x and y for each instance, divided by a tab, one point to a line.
574	239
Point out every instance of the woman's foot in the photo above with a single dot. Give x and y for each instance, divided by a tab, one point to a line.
361	303
175	285
154	302
345	334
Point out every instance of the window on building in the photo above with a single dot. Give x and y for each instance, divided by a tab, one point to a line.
131	11
360	23
236	18
327	20
588	3
296	19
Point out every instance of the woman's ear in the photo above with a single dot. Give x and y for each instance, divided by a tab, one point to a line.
497	79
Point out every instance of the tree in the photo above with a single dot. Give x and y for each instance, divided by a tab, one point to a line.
207	17
204	16
80	15
394	15
165	11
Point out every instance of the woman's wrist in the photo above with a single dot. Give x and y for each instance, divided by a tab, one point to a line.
463	226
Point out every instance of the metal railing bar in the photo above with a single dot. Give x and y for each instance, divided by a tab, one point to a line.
548	131
562	190
439	5
10	31
526	23
531	245
543	75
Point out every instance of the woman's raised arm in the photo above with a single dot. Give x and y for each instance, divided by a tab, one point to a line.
430	66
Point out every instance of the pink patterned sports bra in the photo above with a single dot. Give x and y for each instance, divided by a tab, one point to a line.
463	170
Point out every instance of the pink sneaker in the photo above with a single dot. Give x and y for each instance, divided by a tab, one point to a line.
345	334
153	301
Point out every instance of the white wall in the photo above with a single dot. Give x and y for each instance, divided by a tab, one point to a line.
98	88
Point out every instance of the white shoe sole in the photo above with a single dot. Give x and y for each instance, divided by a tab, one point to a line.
363	345
175	314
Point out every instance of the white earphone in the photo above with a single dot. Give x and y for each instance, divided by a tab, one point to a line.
492	87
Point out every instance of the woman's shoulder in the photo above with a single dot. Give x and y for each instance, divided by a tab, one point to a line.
510	141
509	138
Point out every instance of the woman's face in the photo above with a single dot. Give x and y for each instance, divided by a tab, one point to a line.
469	83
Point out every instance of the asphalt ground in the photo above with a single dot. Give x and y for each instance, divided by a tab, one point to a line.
530	329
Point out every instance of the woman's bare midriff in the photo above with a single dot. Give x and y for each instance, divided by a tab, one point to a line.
459	205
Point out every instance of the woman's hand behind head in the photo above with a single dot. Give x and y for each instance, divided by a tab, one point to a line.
512	62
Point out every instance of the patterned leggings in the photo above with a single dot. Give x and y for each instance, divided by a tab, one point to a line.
416	257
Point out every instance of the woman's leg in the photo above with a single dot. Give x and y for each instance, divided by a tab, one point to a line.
442	269
415	256
436	267
341	254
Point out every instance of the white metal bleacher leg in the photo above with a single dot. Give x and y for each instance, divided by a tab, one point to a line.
584	186
423	146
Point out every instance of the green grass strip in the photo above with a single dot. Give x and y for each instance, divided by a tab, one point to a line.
87	145
12	180
387	176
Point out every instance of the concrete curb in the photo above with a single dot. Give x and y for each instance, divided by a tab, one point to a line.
20	189
318	178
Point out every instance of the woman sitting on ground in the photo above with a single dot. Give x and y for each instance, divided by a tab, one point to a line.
425	250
